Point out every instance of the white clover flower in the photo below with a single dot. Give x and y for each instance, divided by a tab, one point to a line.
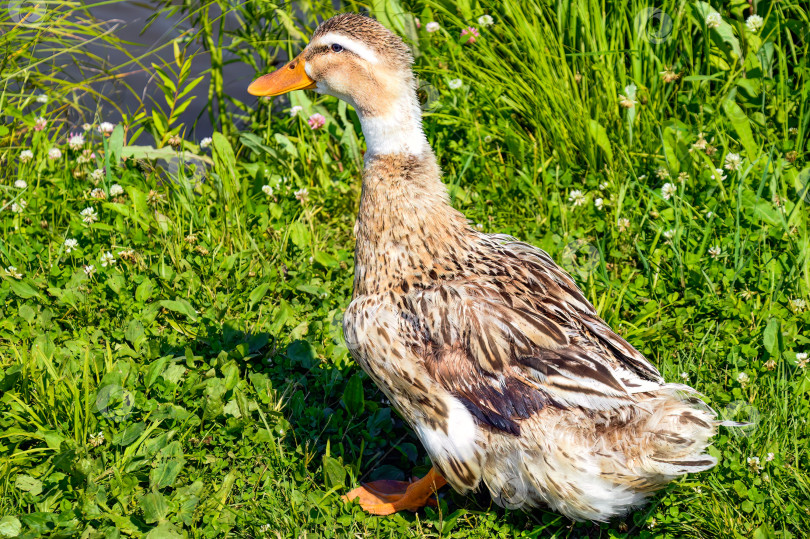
769	457
11	271
667	190
89	215
302	195
86	127
683	177
54	154
599	203
713	20
684	376
267	190
754	23
42	98
626	101
86	157
116	190
661	173
753	463
71	244
107	259
26	156
798	304
206	142
295	110
628	98
733	162
701	143
454	84
20	184
669	234
485	20
802	359
576	198
75	142
624	224
97	175
432	26
715	251
105	127
89	270
709	214
19	206
668	75
98	194
603	186
479	226
743	378
718	175
40	124
96	439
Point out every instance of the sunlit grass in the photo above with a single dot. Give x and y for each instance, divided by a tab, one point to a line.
198	383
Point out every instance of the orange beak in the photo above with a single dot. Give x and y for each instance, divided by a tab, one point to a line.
291	77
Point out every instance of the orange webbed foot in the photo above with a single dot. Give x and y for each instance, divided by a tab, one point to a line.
386	497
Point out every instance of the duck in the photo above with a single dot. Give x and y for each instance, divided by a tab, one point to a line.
486	348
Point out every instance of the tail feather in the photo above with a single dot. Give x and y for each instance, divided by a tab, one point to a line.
680	430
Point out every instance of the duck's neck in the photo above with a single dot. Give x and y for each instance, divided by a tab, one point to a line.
395	128
408	234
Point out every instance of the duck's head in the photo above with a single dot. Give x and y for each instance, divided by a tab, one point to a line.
358	60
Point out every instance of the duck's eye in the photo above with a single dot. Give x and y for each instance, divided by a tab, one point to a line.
336	47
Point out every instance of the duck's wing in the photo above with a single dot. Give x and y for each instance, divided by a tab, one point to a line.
512	340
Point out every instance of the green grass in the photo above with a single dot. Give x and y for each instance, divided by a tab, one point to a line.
200	386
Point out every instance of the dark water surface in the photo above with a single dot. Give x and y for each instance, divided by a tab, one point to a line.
156	41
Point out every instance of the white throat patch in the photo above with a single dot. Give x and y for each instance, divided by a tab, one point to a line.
393	134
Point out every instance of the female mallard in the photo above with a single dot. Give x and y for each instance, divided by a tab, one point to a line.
481	342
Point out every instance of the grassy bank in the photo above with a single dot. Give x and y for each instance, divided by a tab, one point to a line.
171	359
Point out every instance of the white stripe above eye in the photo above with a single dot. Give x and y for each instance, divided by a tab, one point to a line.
357	47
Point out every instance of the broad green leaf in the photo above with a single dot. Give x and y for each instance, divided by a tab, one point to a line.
23	289
116	283
299	234
772	336
180	306
353	395
334	474
742	126
154	507
129	434
144	290
28	484
134	332
10	526
258	293
115	145
600	137
165	530
155	369
325	259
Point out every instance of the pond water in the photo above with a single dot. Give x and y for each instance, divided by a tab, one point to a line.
155	40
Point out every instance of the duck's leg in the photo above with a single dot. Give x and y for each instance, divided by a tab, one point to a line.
385	497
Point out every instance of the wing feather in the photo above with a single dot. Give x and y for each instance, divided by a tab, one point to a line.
509	345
